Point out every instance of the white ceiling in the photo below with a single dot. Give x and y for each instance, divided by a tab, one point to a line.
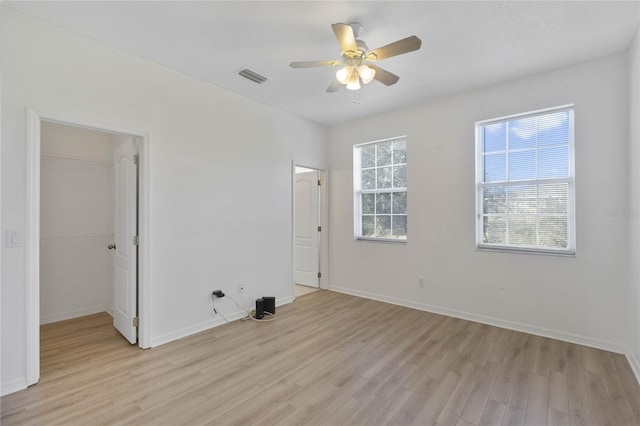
465	45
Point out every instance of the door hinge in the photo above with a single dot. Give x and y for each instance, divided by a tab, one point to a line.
319	182
135	159
136	321
319	228
136	240
319	274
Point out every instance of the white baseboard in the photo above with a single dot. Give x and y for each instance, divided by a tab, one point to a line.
215	322
72	314
284	300
12	386
511	325
633	362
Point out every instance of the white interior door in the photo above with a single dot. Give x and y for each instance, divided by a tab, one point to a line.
307	220
125	229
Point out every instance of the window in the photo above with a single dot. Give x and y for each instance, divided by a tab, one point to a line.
525	182
380	180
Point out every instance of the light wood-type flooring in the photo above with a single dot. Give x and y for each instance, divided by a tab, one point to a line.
302	290
328	359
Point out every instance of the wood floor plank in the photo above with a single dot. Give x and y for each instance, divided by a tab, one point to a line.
631	386
416	401
433	405
620	407
590	359
306	411
420	374
483	352
362	416
460	422
337	401
579	410
253	407
600	408
544	356
390	409
272	416
480	393
501	389
557	417
516	411
558	391
559	361
457	399
320	364
343	412
538	404
493	414
396	380
502	346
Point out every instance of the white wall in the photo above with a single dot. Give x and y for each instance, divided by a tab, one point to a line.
76	222
219	165
634	203
581	299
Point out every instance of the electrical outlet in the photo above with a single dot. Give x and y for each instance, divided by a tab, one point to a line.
240	288
421	282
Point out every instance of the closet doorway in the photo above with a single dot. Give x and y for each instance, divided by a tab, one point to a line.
88	225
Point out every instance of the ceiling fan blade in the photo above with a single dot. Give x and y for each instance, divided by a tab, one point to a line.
334	86
344	34
310	64
383	76
399	47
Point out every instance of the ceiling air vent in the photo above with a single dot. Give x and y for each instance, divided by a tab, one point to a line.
253	76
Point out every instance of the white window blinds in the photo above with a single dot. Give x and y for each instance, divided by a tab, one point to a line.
525	182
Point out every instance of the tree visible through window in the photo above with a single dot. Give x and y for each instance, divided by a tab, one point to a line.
525	182
380	176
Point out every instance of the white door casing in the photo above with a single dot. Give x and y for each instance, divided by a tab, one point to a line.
125	229
32	238
307	220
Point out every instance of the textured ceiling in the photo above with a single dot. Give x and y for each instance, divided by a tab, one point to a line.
465	45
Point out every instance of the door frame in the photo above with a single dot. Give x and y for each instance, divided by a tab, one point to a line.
323	240
32	234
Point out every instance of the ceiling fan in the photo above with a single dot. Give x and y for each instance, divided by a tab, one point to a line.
357	60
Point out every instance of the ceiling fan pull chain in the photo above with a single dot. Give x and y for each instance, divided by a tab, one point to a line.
356	98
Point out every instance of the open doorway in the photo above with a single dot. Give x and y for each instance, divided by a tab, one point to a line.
83	230
309	229
88	225
76	221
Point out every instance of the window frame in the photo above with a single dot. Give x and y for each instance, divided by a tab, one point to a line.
358	191
570	250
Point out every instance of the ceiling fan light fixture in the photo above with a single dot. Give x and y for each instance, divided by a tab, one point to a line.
343	75
354	81
367	74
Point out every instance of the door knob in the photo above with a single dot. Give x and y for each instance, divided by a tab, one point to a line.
111	246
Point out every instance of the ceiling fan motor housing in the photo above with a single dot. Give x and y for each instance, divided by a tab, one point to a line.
357	58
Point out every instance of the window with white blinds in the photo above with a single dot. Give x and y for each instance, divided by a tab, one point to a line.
525	182
380	188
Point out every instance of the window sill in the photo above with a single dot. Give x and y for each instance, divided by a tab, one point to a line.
518	250
382	240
